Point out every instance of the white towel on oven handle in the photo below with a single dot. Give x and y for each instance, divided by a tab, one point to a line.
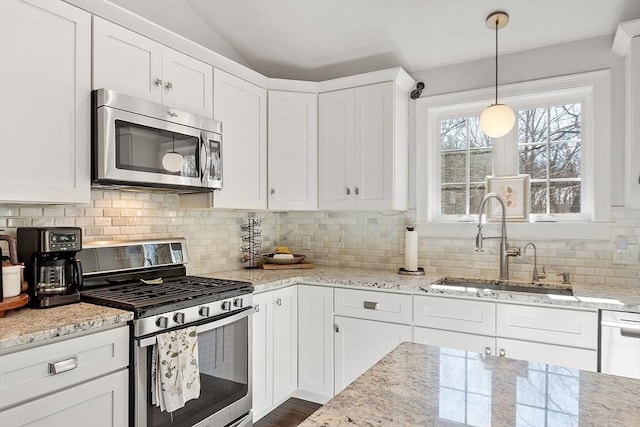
175	371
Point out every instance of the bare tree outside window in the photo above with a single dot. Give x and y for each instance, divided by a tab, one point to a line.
466	155
549	145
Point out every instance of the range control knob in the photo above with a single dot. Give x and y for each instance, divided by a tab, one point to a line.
162	322
226	305
237	302
178	318
204	311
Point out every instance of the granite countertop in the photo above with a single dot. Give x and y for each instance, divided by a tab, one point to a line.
30	325
619	298
419	385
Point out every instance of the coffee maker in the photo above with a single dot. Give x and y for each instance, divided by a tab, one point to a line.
51	269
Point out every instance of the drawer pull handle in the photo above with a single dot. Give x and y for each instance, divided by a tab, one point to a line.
63	366
371	305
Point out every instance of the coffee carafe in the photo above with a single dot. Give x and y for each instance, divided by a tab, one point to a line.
51	269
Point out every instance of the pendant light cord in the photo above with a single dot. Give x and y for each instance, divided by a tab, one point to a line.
497	22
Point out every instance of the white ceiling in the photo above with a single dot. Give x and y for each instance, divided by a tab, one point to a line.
321	39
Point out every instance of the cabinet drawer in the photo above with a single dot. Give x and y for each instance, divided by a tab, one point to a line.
474	317
456	340
383	306
29	373
575	328
559	355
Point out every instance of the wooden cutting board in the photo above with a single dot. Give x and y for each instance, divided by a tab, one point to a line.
266	266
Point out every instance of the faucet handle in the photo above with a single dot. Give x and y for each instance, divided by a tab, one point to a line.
566	278
513	251
543	274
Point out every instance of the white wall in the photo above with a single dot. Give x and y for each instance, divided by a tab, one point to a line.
557	60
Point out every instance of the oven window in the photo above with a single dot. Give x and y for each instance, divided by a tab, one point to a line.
224	370
145	149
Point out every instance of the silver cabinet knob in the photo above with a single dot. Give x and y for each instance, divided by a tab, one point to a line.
204	311
178	318
487	350
169	86
357	191
348	191
162	322
279	301
502	352
273	192
256	308
336	328
158	82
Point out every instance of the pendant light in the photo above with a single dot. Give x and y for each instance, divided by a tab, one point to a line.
497	119
172	161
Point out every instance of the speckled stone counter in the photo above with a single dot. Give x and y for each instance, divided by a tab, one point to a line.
28	325
619	298
419	385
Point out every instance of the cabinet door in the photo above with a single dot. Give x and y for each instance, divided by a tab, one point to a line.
315	343
335	131
126	62
359	344
102	402
458	340
45	102
570	357
187	83
293	150
373	146
262	387
242	109
285	343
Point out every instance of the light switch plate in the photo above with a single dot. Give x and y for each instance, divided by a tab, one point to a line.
626	256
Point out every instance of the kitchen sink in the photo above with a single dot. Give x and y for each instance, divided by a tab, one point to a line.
501	285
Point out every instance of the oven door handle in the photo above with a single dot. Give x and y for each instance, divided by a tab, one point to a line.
145	342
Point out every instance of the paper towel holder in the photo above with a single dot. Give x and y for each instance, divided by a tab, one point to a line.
404	271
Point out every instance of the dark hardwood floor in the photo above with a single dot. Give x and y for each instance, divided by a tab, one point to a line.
289	414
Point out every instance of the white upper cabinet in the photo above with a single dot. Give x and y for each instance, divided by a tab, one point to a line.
293	150
45	102
130	63
242	109
363	148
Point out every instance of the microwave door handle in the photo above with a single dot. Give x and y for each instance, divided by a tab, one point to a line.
205	157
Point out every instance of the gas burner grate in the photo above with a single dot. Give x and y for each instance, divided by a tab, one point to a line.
137	296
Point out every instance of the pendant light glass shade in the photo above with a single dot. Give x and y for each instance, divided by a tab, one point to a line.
497	120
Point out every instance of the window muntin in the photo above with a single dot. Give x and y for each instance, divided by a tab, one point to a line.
550	150
465	161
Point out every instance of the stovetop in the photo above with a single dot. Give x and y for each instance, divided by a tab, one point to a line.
147	298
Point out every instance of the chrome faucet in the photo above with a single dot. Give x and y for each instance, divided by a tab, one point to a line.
505	250
535	275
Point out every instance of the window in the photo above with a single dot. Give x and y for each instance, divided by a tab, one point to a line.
561	139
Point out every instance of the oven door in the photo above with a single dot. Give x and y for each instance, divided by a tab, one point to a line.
224	353
133	149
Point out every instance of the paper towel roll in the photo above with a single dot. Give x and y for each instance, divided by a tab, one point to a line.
411	249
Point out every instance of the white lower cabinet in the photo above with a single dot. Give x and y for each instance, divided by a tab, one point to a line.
275	349
70	382
553	335
100	403
315	343
360	343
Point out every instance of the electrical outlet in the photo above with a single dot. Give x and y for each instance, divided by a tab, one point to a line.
306	242
626	256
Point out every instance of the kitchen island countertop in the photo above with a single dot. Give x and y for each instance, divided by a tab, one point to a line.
419	385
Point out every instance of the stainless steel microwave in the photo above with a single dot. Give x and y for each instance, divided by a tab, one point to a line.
137	143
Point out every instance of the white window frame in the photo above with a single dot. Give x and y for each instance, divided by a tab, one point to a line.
591	89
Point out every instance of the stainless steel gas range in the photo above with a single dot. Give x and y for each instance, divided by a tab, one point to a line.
149	278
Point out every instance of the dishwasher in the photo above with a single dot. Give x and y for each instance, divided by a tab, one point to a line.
620	343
